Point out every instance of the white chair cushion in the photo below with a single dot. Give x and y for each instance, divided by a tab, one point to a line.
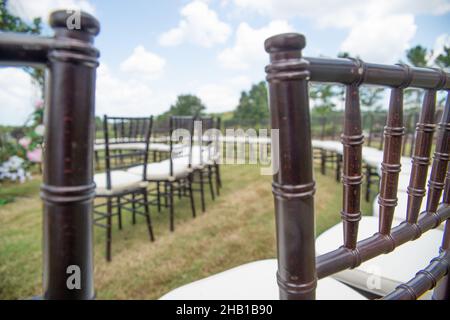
121	146
335	146
387	270
161	147
161	170
253	281
120	181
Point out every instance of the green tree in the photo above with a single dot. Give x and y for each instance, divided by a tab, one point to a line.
253	107
417	56
186	105
323	97
11	23
443	60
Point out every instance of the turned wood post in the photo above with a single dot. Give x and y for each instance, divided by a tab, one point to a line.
293	185
68	188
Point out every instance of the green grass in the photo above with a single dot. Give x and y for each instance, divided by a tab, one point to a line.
237	228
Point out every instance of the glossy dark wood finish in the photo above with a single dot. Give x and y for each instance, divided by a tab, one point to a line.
347	71
68	188
421	158
440	160
293	185
288	98
352	140
390	167
424	280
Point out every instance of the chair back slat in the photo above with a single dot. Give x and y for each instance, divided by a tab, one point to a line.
352	140
440	160
421	158
125	156
292	187
446	196
390	167
185	123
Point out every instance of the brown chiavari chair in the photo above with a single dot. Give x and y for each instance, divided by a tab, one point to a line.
122	190
299	269
173	176
68	189
202	161
159	144
329	157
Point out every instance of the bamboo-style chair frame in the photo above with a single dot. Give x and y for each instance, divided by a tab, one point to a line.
294	187
68	188
202	171
166	188
126	131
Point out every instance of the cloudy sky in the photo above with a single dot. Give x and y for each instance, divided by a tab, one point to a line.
151	51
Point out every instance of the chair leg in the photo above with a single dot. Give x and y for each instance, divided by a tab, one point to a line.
211	188
119	213
171	207
165	196
338	167
216	172
191	196
108	228
218	177
147	215
133	205
202	190
179	190
158	195
369	182
323	161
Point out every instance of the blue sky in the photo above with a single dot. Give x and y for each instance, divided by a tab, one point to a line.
151	51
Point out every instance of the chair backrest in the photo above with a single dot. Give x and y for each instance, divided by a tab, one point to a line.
128	146
181	138
68	187
288	75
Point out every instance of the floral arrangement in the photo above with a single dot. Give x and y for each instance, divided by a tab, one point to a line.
23	147
14	170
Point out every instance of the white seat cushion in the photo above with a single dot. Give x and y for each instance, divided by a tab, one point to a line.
121	146
330	145
161	147
253	281
386	271
120	181
161	170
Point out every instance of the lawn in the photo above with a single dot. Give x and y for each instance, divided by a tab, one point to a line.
236	228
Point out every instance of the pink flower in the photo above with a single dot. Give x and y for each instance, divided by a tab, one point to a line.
39	104
35	155
25	142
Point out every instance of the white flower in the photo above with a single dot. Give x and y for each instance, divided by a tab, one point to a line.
39	130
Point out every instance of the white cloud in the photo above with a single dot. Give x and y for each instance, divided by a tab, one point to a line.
117	95
28	10
441	41
225	95
17	94
143	63
200	25
381	40
336	13
248	48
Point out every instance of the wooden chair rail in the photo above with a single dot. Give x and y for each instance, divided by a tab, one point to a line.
68	189
288	75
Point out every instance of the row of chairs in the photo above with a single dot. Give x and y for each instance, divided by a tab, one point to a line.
132	183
